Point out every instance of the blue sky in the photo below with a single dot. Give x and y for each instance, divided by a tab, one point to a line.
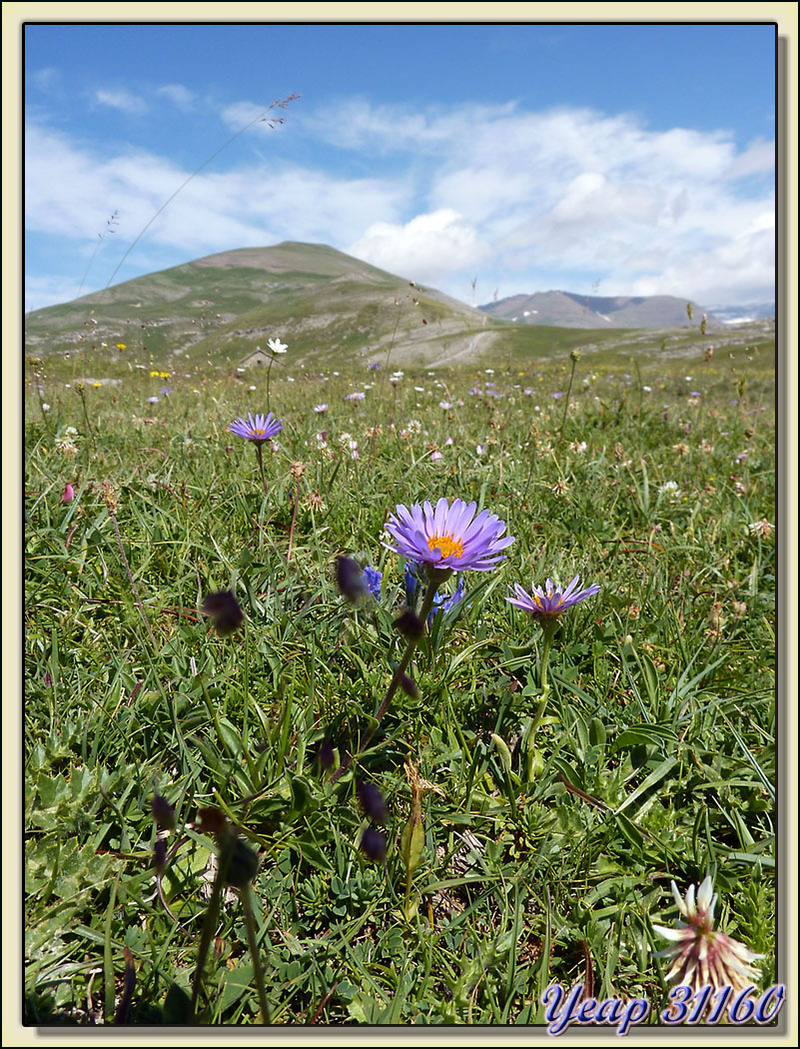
619	159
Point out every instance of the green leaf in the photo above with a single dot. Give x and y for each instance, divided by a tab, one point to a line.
411	843
177	1007
655	777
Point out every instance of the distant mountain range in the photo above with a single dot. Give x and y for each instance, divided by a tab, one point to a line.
333	309
743	314
565	309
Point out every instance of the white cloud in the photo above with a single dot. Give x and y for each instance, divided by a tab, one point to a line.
179	95
251	206
521	198
122	100
46	79
424	249
757	159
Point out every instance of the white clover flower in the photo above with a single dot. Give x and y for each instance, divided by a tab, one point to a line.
702	957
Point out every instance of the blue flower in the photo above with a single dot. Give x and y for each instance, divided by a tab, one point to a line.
372	580
442	602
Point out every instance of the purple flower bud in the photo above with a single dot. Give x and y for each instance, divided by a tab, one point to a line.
409	625
374	844
349	579
160	855
371	801
163	812
224	611
327	758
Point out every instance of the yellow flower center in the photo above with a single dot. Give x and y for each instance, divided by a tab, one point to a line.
259	433
446	545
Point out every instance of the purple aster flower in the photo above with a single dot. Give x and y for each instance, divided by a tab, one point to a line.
449	537
259	428
548	603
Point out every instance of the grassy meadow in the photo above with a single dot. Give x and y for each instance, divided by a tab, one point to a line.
192	850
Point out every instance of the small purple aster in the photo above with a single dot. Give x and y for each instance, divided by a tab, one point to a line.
449	537
549	603
259	428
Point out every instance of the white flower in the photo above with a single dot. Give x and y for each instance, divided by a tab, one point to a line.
276	346
761	528
669	488
701	956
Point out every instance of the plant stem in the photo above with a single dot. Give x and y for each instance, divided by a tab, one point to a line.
260	457
566	399
209	922
294	519
397	677
250	924
269	369
549	630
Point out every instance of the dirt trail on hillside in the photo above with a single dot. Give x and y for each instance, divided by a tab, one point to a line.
481	341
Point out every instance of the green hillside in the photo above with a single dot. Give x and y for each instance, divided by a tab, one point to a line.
330	308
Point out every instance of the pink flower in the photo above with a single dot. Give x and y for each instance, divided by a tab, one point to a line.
700	955
69	493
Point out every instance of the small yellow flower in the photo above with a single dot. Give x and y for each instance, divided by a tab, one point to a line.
121	346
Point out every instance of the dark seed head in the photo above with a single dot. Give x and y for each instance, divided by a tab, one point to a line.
371	801
160	855
163	812
224	611
409	625
326	755
243	865
374	844
211	821
349	579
